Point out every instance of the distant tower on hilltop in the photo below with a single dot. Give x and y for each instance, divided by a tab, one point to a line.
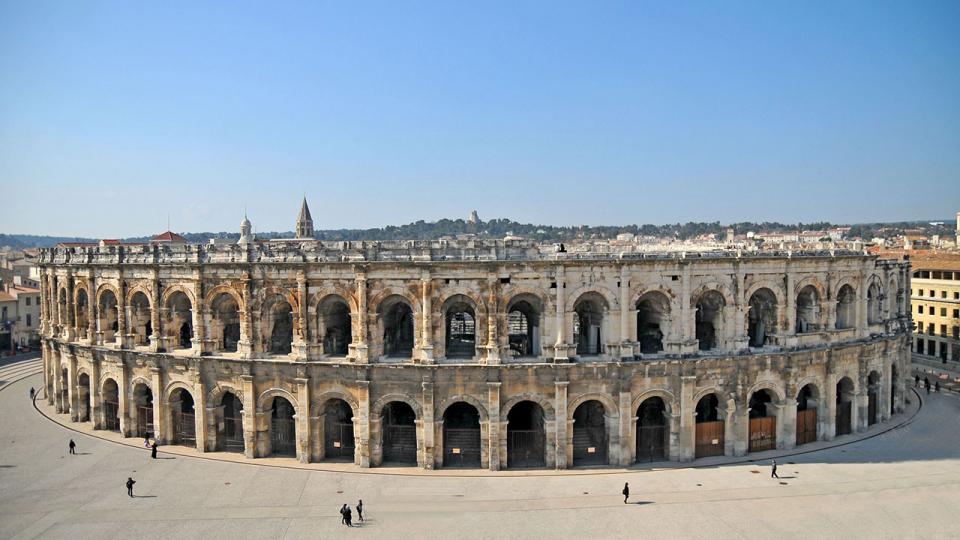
475	218
245	236
305	222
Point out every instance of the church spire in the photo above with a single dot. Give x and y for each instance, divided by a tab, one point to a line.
304	221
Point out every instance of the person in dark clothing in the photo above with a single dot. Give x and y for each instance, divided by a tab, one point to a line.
73	447
360	509
626	492
773	470
926	384
343	514
32	392
348	516
936	387
130	483
153	450
916	381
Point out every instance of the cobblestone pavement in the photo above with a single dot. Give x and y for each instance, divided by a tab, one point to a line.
901	484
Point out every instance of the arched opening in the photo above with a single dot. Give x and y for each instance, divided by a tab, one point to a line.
82	308
763	422
523	326
83	393
845	397
653	316
225	329
709	320
399	433
336	330
846	299
461	436
139	320
179	320
143	405
589	434
808	310
653	431
873	398
397	319
231	429
107	313
461	327
62	308
710	429
762	318
65	390
111	406
588	324
283	428
183	418
807	401
338	442
874	298
526	437
280	321
894	377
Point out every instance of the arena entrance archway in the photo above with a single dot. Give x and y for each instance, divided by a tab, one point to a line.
138	319
844	419
762	317
183	416
179	313
283	428
588	316
461	436
526	436
523	326
846	305
333	320
653	431
710	427
709	320
226	322
83	398
281	326
653	312
461	327
143	404
338	442
873	398
111	406
589	434
808	310
894	377
399	433
230	434
807	401
398	331
763	422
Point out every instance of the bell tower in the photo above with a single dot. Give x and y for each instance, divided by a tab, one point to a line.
305	222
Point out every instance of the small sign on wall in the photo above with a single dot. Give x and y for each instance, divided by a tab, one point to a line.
592	450
456	450
715	441
336	444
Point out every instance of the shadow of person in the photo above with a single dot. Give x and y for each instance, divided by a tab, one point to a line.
642	502
144	496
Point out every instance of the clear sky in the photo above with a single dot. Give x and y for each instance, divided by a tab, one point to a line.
114	115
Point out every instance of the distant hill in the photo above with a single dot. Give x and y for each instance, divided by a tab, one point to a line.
498	228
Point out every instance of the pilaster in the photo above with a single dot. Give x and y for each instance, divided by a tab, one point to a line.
493	420
425	458
560	404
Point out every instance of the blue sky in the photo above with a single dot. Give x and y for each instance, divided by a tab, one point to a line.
114	115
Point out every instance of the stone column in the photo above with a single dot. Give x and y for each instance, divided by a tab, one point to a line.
560	405
201	418
245	345
249	417
155	307
95	396
862	306
122	331
91	309
69	330
361	350
425	458
560	348
493	421
159	406
199	317
493	317
301	336
861	403
361	426
688	315
303	419
627	436
830	405
126	426
626	350
73	388
688	419
426	316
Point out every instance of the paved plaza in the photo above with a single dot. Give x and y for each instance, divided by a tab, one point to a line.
904	483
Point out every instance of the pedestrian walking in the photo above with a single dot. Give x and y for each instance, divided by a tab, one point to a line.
926	384
360	510
343	514
937	387
146	441
32	393
73	447
773	470
626	492
153	450
130	483
348	516
916	381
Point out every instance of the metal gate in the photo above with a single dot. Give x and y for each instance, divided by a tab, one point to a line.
763	434
185	428
111	417
526	448
283	436
232	434
651	443
461	447
844	414
806	426
589	445
871	408
709	439
145	422
400	443
338	440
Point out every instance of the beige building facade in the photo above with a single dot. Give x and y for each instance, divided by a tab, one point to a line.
935	299
468	353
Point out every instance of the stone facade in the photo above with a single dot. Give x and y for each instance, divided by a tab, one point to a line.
492	354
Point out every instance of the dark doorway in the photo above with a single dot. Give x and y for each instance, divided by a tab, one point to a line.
338	442
398	330
184	418
709	317
807	415
844	419
461	436
334	320
111	406
143	402
653	431
873	398
398	422
281	336
461	329
231	435
526	439
763	422
283	429
589	434
84	397
710	427
523	327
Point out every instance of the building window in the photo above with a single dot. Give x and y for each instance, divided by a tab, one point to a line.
4	317
943	294
920	310
943	312
919	292
28	300
931	328
943	330
956	314
956	295
956	333
29	318
931	310
933	293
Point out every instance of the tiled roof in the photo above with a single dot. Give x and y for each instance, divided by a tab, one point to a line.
168	236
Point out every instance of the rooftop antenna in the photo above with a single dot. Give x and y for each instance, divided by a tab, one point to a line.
168	221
